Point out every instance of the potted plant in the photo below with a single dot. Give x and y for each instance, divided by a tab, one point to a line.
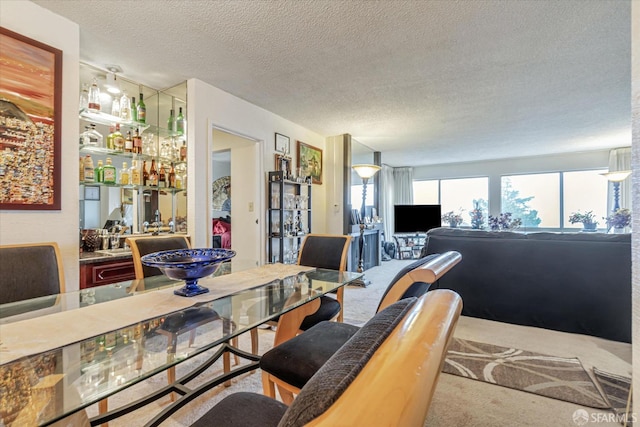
477	216
454	220
504	222
618	220
587	219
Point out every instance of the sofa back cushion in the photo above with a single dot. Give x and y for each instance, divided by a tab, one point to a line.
572	282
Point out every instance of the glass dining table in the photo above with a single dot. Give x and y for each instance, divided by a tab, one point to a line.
60	354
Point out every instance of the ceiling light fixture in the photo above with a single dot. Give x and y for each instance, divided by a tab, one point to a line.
112	84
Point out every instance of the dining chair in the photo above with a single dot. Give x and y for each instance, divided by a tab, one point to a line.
184	321
386	374
30	270
289	365
321	251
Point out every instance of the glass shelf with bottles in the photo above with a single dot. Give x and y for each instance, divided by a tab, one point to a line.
92	149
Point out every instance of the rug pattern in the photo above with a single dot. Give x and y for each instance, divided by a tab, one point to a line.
550	376
616	390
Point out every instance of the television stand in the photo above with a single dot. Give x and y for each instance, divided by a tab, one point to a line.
409	245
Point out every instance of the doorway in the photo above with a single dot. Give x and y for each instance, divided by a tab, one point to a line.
235	197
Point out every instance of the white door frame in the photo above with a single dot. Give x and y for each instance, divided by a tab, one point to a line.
259	184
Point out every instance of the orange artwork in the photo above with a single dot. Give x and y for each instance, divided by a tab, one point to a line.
30	120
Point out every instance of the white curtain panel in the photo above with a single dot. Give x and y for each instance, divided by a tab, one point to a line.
620	160
386	201
403	186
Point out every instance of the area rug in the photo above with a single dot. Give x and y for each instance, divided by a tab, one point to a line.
550	376
616	391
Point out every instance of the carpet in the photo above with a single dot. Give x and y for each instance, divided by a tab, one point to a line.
616	390
555	377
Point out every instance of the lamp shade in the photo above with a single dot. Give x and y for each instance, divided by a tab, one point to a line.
366	171
616	176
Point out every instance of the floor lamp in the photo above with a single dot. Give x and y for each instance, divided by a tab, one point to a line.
616	178
365	172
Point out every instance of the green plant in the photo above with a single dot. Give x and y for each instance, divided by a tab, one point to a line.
452	219
585	218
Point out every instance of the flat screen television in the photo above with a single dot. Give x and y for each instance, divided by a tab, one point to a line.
416	218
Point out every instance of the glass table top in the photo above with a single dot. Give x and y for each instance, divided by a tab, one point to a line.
65	379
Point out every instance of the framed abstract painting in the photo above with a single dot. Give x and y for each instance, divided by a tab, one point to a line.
30	123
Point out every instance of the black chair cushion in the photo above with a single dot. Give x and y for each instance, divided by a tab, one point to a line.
417	289
328	384
148	246
188	318
243	410
295	361
329	308
28	272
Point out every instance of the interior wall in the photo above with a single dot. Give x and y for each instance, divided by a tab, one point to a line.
61	226
208	106
334	179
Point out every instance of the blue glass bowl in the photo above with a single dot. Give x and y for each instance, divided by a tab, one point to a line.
188	265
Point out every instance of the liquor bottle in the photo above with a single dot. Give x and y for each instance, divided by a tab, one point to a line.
183	151
170	121
91	137
110	176
99	172
125	107
142	110
180	122
162	177
118	139
125	178
178	181
94	97
128	143
137	142
115	107
135	173
172	177
153	174
112	130
84	97
89	173
134	109
145	174
81	169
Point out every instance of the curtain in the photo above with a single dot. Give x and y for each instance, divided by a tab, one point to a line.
403	186
620	160
386	201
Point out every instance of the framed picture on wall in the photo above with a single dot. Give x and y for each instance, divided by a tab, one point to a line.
283	164
310	162
283	144
30	119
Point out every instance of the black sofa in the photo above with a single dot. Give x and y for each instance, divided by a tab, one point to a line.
571	282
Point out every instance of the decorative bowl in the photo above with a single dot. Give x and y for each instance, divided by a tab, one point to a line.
188	265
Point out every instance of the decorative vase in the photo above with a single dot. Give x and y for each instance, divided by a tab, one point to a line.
618	230
590	227
453	224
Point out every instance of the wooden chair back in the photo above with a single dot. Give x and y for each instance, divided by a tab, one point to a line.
396	385
30	270
416	278
144	245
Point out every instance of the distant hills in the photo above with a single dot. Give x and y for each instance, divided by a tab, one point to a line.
11	110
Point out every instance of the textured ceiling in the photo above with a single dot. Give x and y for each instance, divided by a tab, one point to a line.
424	82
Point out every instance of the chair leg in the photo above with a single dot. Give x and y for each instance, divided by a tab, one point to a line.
226	365
268	386
171	354
286	395
254	340
340	298
234	342
192	336
103	407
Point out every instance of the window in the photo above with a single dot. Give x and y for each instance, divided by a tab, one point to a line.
535	199
548	199
426	192
457	195
584	191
